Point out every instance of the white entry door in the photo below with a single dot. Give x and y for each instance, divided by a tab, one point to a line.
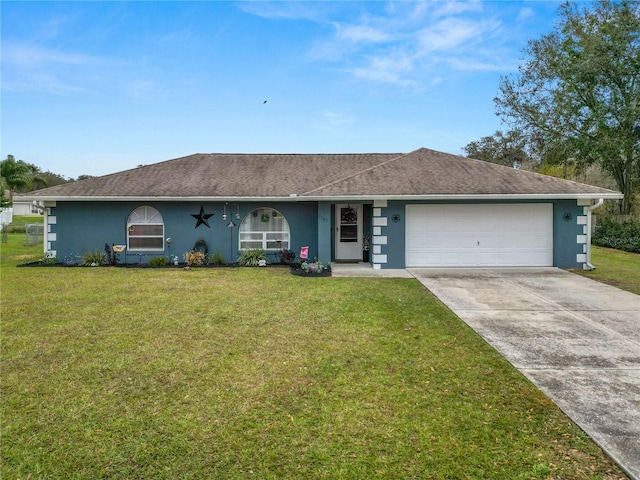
479	235
349	232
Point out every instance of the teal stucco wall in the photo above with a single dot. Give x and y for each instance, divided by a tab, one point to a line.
87	226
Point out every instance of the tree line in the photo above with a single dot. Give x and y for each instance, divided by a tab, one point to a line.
18	176
575	101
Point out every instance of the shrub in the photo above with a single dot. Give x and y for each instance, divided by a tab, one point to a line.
15	228
619	235
252	257
216	259
110	254
286	256
157	262
49	259
194	258
93	258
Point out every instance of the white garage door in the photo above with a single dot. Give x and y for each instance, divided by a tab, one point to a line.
479	235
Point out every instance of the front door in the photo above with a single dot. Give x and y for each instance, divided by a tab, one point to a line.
349	232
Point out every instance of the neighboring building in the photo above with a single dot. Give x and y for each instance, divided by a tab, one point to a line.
421	209
26	208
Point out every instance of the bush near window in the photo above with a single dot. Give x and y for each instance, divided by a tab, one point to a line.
286	256
252	257
619	235
216	259
93	258
194	258
157	262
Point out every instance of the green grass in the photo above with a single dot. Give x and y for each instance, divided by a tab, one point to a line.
255	373
28	219
15	251
615	267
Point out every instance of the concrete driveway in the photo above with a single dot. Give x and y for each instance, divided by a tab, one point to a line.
576	339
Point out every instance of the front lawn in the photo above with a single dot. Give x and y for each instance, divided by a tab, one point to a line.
254	373
615	267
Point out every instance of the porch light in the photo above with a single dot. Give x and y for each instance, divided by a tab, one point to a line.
168	241
224	214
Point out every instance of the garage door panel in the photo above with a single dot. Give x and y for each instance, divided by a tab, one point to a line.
479	235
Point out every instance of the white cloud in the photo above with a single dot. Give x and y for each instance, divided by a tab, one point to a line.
406	43
381	75
287	10
39	82
31	67
24	55
361	34
392	68
525	13
449	34
467	64
454	8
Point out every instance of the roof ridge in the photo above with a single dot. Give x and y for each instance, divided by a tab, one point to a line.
368	169
530	172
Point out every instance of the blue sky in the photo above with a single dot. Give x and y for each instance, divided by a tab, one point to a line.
99	87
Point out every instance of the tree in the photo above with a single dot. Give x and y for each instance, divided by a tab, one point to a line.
52	178
20	176
508	149
4	202
578	92
84	177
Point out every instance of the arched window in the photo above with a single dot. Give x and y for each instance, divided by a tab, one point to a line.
145	230
264	228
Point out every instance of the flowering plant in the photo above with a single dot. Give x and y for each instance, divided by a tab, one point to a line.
70	261
49	258
312	267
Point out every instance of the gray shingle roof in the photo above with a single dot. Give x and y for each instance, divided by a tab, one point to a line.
423	172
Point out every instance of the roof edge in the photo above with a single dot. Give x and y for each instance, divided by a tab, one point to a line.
440	197
305	198
150	198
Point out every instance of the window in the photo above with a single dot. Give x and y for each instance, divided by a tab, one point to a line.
145	230
264	228
348	224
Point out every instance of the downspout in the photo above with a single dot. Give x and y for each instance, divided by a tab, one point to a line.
598	204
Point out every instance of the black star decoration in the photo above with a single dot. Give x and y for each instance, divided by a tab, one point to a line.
202	217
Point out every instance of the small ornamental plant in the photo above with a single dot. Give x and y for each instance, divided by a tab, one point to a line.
93	258
216	259
253	257
286	256
111	254
194	258
49	258
70	261
312	267
157	262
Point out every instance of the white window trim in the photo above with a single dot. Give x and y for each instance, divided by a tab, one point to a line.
159	236
265	236
283	239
